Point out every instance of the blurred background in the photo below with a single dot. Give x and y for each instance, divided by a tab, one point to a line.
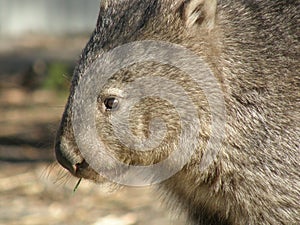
40	42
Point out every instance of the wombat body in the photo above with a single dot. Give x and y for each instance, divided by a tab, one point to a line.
252	48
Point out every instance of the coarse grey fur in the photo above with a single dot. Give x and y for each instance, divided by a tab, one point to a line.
253	49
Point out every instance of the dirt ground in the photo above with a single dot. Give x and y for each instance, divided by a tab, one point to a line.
33	189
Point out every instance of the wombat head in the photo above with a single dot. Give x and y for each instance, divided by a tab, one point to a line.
144	111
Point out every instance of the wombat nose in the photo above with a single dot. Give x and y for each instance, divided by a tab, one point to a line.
63	160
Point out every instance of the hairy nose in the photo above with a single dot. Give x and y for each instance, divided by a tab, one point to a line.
66	150
67	153
63	159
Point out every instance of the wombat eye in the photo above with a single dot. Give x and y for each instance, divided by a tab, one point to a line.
111	103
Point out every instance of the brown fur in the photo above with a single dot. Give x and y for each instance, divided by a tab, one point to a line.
253	49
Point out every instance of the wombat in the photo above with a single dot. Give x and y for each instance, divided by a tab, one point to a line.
252	49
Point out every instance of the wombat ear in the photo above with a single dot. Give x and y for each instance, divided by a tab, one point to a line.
198	12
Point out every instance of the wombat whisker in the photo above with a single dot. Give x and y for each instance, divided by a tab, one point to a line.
67	78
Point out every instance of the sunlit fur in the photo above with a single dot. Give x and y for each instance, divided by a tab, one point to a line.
253	49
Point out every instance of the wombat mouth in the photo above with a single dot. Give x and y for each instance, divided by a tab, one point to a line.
69	156
85	171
